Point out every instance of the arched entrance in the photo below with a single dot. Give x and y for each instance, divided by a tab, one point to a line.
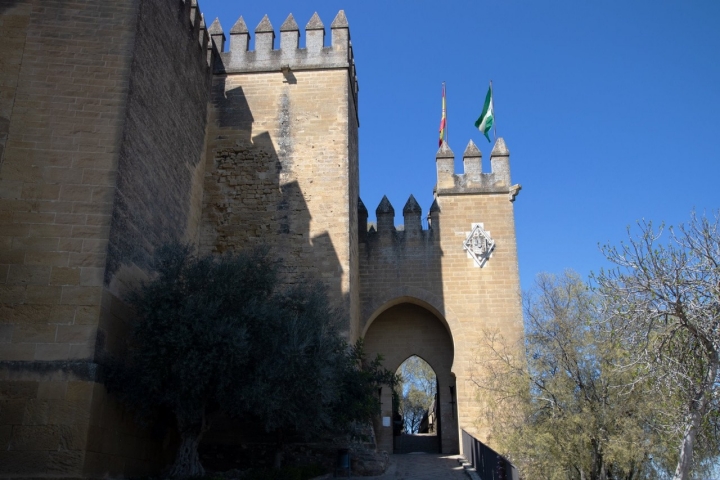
398	333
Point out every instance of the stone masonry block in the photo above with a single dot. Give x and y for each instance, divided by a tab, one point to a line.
29	275
23	462
87	315
12	411
85	351
52	390
51	351
63	412
17	352
35	437
53	259
76	333
10	294
36	412
65	276
5	434
41	295
6	333
79	393
34	333
81	295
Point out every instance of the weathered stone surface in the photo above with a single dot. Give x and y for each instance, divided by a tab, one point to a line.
65	462
24	463
109	149
367	463
96	127
163	139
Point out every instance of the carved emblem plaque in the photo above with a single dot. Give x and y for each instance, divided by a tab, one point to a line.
479	245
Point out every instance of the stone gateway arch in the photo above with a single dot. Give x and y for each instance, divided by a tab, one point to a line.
175	130
434	292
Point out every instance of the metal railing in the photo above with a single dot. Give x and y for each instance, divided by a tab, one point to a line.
488	464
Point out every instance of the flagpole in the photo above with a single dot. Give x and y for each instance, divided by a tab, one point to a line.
492	95
447	131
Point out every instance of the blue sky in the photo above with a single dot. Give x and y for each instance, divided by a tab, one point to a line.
611	109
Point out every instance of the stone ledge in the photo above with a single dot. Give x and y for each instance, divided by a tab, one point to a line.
39	370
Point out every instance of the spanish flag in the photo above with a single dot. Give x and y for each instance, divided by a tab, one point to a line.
443	120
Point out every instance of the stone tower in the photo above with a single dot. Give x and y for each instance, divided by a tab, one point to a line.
282	152
433	293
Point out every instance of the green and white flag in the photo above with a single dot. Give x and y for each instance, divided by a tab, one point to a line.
485	122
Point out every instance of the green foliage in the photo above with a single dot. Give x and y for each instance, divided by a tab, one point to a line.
189	346
221	332
296	359
576	408
358	401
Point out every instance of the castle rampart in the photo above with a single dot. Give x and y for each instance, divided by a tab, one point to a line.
111	149
282	161
473	180
289	57
103	138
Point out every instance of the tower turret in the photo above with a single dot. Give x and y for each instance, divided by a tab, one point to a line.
315	34
289	35
217	39
239	38
385	214
362	221
500	163
411	214
434	216
264	39
445	161
472	163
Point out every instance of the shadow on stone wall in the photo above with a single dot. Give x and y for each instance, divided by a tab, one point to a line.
162	141
8	4
248	203
252	199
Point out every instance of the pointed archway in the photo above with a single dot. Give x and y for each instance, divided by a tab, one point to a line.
416	424
398	333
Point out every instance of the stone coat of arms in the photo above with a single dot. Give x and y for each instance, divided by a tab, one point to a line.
479	245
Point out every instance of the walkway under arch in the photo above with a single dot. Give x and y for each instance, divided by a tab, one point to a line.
399	332
422	467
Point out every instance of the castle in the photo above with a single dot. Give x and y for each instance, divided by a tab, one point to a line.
128	124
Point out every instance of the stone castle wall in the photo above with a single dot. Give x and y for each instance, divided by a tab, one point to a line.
89	112
125	125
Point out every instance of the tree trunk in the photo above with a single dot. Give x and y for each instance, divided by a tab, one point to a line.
280	452
187	460
698	409
682	472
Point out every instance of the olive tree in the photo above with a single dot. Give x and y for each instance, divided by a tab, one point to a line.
188	350
224	333
665	291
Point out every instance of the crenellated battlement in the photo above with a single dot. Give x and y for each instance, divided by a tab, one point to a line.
473	180
192	14
289	57
386	231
